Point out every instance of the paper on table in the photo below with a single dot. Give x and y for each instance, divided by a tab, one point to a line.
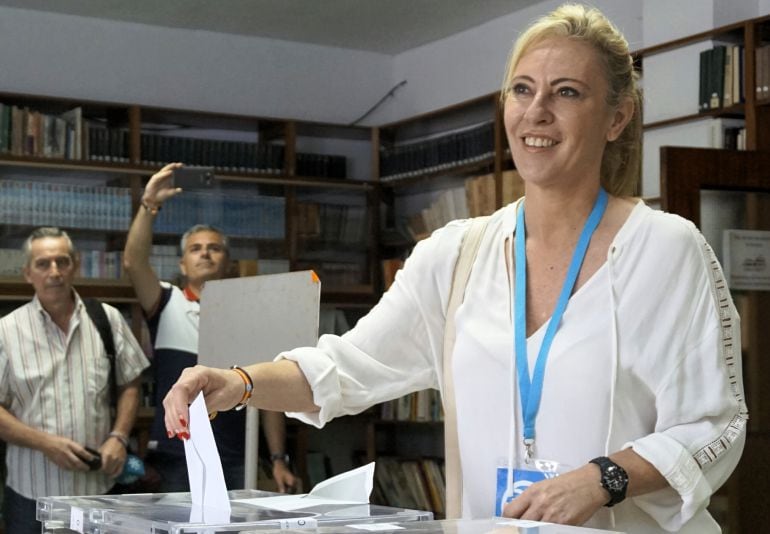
351	487
208	492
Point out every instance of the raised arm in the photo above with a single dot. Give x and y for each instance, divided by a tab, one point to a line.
136	256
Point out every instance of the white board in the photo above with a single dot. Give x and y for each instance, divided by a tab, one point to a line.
252	319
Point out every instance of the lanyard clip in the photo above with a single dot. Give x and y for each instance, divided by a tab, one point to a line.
529	447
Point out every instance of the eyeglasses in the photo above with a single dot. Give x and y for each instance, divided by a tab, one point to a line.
63	263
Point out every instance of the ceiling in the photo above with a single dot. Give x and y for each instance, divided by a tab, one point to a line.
384	26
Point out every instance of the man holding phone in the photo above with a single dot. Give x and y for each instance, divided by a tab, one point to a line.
55	388
172	315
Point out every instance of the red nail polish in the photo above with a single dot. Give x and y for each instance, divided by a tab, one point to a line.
181	420
185	435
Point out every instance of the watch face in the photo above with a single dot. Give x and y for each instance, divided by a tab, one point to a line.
615	480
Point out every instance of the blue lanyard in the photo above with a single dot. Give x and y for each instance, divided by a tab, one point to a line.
530	391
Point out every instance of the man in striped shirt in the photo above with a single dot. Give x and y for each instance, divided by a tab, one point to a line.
54	387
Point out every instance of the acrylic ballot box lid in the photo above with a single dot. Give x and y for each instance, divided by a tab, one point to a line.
496	525
170	513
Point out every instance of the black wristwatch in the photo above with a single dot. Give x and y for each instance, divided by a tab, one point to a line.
614	479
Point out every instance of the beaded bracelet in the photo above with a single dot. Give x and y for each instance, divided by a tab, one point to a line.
152	210
248	387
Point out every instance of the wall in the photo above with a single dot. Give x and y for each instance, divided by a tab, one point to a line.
471	63
86	58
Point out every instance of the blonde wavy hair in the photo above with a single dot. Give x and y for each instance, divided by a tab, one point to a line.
621	162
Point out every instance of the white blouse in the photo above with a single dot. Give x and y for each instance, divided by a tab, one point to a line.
647	356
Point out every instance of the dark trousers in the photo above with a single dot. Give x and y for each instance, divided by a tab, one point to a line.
19	514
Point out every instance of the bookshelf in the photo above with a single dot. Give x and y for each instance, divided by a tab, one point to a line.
82	165
435	167
87	176
674	117
694	178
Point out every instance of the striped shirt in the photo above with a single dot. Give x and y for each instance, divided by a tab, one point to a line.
58	382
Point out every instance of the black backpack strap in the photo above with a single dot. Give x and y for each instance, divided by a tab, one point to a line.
99	318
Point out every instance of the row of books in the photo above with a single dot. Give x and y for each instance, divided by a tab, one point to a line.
96	263
440	153
38	203
321	165
237	214
475	198
101	264
762	72
721	77
332	223
423	405
734	138
164	260
237	156
112	145
25	132
29	132
414	484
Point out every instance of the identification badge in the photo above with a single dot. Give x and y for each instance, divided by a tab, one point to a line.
524	475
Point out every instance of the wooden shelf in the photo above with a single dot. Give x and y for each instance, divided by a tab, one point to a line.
736	111
70	165
484	165
115	291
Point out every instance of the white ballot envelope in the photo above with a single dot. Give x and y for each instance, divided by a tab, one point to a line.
352	487
208	492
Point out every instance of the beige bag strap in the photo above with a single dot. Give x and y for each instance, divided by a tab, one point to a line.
468	250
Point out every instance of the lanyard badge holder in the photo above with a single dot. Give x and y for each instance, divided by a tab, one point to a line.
512	482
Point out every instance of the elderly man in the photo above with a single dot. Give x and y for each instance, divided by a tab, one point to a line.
172	315
55	387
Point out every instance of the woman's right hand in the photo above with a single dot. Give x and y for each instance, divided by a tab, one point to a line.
222	390
160	188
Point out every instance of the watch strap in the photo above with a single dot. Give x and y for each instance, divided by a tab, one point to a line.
614	480
280	456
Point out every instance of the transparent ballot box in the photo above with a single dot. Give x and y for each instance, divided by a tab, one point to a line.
496	525
170	513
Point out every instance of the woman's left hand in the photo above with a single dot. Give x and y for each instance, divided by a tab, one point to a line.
568	499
